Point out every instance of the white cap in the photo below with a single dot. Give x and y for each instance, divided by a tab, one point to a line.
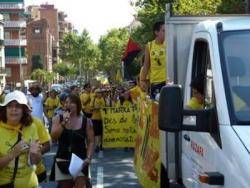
16	96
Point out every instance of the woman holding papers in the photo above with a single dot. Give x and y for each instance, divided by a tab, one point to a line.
75	136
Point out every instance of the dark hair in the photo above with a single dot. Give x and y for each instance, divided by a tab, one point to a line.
198	84
73	87
26	119
76	100
157	26
87	85
63	96
35	86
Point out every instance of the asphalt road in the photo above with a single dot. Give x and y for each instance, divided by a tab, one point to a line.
112	168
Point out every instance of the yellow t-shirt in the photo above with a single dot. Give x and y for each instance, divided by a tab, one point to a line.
51	104
44	137
2	96
26	176
194	104
126	103
97	103
158	63
86	102
135	93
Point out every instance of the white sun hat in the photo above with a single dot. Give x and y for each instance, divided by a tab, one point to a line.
16	96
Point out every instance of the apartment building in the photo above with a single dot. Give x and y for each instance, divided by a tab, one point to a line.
39	45
50	13
64	26
2	55
14	40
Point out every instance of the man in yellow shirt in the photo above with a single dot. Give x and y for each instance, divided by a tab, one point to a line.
155	61
51	103
197	100
97	103
86	100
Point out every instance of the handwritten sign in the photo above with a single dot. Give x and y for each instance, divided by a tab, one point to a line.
119	126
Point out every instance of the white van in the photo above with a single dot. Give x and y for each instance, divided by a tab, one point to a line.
209	147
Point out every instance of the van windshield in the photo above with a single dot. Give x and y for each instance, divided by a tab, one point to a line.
235	58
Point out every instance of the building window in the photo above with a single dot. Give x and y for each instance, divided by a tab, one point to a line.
37	30
8	71
7	35
6	17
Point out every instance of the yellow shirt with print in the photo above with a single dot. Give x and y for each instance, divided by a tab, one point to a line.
43	136
51	105
26	176
86	102
157	53
194	104
98	103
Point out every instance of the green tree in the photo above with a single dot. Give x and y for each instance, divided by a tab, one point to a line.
43	76
36	62
80	52
209	7
150	11
112	46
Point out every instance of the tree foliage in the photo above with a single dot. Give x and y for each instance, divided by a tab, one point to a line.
80	52
64	69
43	76
112	46
150	11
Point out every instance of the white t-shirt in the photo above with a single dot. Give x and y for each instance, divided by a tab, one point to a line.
37	106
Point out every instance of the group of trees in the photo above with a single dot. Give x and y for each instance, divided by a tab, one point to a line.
81	56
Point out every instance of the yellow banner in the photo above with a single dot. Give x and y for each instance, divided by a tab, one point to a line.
119	126
147	148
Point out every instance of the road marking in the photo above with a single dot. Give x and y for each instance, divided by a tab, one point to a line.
99	182
100	154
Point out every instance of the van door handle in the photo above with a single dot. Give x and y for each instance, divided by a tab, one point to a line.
186	137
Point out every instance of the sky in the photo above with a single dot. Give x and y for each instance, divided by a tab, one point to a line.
97	16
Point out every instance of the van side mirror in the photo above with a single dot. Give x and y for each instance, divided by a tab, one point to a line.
173	118
170	108
202	120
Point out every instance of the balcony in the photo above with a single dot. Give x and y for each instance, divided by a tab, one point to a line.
15	24
2	70
15	60
15	42
11	6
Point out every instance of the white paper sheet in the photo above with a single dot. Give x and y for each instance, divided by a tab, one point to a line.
75	166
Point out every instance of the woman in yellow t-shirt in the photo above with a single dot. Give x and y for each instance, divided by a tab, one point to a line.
19	146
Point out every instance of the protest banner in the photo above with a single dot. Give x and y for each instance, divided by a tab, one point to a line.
119	126
147	148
